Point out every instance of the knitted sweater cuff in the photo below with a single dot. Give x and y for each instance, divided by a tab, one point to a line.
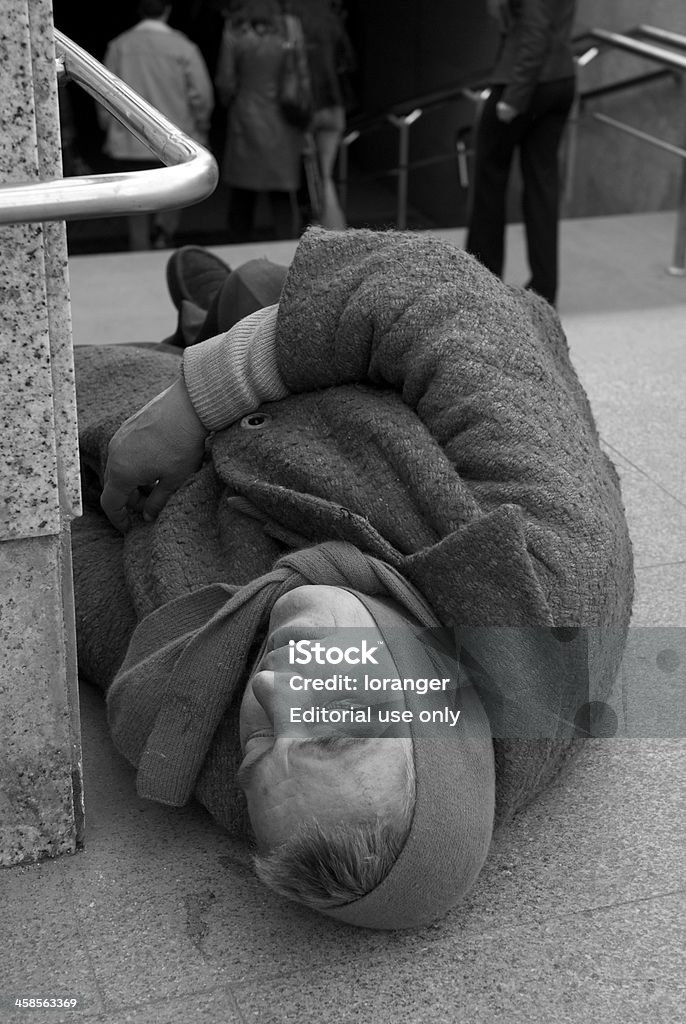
234	373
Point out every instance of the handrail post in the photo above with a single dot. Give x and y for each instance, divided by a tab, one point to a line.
572	135
403	124
462	154
343	166
678	267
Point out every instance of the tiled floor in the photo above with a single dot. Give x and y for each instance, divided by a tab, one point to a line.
579	914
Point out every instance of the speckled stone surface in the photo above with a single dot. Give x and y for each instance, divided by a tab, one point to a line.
39	753
40	771
38	436
56	261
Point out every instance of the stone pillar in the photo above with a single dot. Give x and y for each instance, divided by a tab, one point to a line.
41	812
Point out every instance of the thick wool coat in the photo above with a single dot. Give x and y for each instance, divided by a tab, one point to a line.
436	423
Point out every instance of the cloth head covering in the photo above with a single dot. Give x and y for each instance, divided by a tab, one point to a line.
452	823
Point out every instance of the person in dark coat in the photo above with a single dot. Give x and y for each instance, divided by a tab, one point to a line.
263	151
526	111
391	442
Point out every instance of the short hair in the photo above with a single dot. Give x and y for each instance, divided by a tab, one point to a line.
153	8
323	866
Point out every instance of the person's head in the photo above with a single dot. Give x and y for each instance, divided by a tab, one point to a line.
157	9
330	813
387	826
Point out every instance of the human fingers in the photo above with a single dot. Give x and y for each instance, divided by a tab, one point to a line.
505	112
151	455
152	504
116	503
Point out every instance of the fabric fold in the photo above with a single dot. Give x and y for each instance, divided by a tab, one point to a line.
195	671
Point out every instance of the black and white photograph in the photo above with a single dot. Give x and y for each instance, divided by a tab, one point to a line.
343	512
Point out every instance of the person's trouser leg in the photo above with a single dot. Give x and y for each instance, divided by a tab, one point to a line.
540	164
167	223
250	287
138	228
241	214
495	145
285	214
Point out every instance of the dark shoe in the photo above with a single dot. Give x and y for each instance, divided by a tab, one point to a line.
195	275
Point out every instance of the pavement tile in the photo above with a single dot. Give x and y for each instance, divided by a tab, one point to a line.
566	970
46	953
618	262
660	596
611	830
631	364
145	944
657	519
216	1007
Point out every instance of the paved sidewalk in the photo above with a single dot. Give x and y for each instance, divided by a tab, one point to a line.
579	914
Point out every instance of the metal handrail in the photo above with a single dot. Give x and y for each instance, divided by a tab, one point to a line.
191	173
639	48
677	62
622	84
422	101
662	35
401	116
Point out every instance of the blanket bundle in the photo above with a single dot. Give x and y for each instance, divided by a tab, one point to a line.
435	424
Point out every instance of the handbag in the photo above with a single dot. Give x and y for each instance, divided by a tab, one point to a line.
295	97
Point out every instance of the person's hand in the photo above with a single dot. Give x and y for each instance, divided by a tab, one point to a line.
505	112
151	455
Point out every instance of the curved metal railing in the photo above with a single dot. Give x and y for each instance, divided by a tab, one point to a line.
675	61
191	173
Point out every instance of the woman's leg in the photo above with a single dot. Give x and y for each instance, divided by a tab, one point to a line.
328	126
